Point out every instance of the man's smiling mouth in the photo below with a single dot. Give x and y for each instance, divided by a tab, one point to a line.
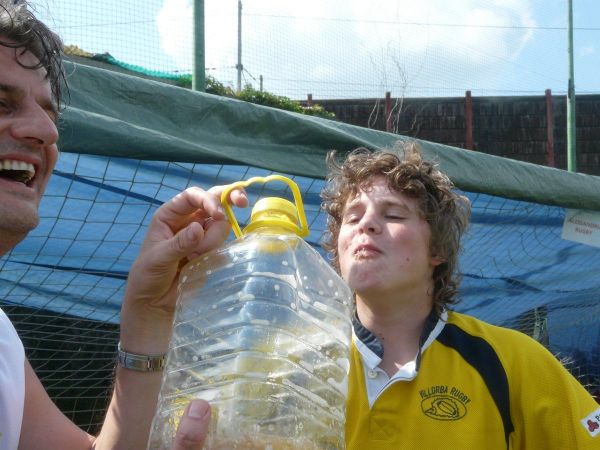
19	171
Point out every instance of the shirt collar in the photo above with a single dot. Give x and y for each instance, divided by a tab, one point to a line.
371	348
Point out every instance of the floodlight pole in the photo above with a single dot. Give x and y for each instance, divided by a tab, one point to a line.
239	65
198	76
571	122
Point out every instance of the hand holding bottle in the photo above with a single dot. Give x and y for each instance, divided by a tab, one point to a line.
262	330
188	225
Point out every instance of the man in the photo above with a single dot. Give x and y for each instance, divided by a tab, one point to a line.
421	375
30	96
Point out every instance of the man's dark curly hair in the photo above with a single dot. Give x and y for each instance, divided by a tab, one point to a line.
446	212
21	30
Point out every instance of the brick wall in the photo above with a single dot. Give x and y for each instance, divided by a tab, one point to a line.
513	127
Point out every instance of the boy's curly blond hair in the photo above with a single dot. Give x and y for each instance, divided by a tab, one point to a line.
446	211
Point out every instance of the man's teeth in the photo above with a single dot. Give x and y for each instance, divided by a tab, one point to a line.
9	164
27	170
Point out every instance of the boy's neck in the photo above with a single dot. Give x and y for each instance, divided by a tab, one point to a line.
398	326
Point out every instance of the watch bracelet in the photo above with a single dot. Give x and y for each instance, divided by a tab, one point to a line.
140	363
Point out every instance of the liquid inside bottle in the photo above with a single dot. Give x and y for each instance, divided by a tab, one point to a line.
262	331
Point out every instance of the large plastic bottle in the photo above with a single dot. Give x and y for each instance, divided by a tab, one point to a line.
262	331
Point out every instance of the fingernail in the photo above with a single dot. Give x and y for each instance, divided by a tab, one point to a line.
197	410
221	210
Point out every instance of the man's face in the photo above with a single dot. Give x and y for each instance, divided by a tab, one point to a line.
384	244
28	151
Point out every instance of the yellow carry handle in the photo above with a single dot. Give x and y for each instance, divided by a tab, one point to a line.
284	220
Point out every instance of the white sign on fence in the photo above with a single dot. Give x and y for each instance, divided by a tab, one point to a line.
582	226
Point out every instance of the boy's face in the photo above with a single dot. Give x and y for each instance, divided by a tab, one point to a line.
28	137
384	243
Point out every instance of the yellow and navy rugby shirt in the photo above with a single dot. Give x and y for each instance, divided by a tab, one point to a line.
472	386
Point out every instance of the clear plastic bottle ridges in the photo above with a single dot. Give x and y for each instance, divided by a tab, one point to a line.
262	330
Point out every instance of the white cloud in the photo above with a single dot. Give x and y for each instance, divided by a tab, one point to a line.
354	41
175	30
587	50
464	30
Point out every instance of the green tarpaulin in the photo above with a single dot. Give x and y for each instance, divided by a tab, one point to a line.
112	114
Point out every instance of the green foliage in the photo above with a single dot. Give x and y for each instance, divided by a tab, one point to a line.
317	110
74	50
184	81
251	95
213	86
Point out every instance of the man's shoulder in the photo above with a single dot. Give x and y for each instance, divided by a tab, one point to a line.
6	327
4	320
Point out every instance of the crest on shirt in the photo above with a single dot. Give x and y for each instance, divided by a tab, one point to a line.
444	403
592	423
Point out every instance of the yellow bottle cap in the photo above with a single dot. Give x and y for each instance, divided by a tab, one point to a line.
274	212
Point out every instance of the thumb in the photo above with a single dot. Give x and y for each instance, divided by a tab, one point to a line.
193	426
183	243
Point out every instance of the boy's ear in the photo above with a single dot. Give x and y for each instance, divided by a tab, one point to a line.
437	260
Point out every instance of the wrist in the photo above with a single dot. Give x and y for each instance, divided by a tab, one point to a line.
140	362
145	331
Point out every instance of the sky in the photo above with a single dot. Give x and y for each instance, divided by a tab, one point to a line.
352	48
